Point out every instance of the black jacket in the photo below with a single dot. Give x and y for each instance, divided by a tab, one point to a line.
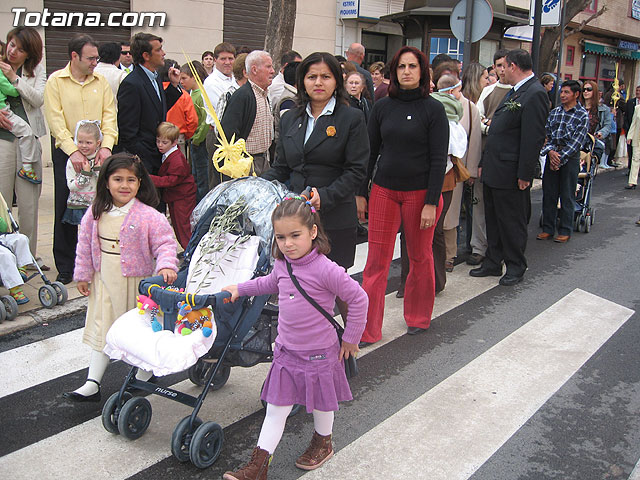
139	114
334	160
516	137
240	113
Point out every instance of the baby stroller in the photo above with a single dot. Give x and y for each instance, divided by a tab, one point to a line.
584	214
50	294
242	330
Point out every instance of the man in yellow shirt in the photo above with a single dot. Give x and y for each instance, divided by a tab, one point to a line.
70	95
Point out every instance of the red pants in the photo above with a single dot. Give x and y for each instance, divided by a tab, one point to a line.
387	209
180	212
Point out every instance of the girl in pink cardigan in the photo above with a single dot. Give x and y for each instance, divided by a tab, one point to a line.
122	239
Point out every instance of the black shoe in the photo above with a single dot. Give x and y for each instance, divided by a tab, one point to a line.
400	292
64	278
364	344
630	186
415	330
510	280
485	272
78	398
475	259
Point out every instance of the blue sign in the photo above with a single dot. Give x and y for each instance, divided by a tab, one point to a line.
627	45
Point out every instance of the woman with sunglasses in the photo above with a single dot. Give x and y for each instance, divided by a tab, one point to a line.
600	122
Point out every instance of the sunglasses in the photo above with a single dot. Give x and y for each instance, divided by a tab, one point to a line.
122	52
587	89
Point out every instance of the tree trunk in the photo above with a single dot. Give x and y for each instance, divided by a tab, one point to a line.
549	42
280	25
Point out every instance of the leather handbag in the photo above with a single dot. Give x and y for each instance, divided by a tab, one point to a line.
350	365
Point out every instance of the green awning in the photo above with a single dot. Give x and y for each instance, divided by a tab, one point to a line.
611	51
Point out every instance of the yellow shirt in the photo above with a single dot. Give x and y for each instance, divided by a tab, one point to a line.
67	101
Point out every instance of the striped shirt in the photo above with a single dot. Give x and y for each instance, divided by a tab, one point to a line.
566	132
261	135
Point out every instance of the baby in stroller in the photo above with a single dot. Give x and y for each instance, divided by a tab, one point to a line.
15	257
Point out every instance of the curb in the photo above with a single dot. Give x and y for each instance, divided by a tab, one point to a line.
43	316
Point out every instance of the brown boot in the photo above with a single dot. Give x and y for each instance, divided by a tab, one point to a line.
318	452
256	469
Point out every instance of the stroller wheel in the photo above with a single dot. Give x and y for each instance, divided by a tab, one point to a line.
181	438
200	371
10	307
48	296
111	412
61	292
206	444
576	224
3	313
134	418
587	224
593	216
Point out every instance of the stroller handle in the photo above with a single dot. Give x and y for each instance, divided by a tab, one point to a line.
168	300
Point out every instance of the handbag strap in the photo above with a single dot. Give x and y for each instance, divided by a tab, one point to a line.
315	304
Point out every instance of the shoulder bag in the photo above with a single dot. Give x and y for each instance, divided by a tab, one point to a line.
350	365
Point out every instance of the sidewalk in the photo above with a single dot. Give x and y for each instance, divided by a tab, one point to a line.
33	313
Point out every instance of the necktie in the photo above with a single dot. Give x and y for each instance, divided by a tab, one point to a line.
509	94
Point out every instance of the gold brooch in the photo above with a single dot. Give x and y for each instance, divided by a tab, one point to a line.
331	131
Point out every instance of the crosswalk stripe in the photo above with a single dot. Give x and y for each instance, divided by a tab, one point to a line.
466	418
44	360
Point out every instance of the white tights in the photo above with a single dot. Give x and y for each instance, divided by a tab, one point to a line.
97	366
275	419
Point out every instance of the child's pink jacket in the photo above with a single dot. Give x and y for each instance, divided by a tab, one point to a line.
145	235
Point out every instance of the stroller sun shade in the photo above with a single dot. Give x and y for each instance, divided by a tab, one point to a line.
261	195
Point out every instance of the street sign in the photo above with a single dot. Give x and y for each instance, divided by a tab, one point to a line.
480	22
551	10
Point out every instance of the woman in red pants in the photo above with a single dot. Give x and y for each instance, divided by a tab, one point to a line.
409	132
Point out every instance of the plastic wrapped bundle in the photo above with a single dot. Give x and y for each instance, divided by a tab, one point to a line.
261	195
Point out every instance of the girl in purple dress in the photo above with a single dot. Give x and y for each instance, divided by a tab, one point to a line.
308	366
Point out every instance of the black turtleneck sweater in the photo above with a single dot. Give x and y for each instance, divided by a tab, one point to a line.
411	135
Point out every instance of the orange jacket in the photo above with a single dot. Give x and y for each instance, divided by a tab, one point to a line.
183	114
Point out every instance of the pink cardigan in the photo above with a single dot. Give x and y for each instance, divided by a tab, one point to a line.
145	235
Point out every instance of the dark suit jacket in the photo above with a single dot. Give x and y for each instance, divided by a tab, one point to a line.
240	113
628	113
335	164
140	111
175	179
515	138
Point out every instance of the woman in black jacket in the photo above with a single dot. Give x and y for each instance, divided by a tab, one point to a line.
323	144
409	132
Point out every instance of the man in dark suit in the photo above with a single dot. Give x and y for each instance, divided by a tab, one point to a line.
143	102
628	116
507	168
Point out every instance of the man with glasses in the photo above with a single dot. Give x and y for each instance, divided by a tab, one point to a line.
70	95
126	60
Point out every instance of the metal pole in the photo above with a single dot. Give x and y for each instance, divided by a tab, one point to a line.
468	23
560	51
537	19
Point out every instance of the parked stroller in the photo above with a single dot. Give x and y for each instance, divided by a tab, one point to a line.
231	242
50	294
584	215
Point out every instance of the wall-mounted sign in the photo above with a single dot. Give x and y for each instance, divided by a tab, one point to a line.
348	8
627	45
635	9
550	12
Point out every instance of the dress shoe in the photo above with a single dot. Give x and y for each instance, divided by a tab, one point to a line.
448	266
364	344
78	398
561	238
400	292
544	236
64	278
415	330
485	272
475	259
631	186
510	280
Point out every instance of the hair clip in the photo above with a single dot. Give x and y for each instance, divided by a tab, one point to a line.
313	209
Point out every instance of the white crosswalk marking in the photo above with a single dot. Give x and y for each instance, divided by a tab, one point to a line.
466	418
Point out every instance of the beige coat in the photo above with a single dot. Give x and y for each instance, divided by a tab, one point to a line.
31	91
634	130
471	123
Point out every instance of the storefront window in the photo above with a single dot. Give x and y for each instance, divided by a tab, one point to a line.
600	68
589	66
448	46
